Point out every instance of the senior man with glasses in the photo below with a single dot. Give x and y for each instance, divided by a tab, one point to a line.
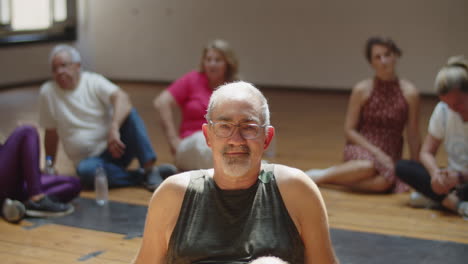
97	125
241	209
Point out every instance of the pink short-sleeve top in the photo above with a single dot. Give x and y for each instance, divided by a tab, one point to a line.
192	93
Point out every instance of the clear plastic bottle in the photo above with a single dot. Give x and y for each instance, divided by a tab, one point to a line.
101	187
49	166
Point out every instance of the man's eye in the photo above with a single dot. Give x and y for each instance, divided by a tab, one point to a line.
249	127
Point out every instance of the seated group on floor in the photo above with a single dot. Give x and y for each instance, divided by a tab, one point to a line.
99	128
379	110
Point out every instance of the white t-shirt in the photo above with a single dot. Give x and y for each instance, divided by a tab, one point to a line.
447	125
81	116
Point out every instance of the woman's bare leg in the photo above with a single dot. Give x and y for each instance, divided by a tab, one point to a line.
348	173
375	184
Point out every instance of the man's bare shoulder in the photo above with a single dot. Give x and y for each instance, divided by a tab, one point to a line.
172	189
292	181
299	193
285	173
177	182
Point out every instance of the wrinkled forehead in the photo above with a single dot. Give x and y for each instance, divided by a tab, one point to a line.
61	57
239	109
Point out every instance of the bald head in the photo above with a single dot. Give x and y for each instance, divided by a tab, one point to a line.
239	91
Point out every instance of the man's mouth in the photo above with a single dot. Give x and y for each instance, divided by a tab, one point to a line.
235	153
240	152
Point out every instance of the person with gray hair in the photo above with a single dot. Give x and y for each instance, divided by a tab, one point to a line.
189	95
242	209
96	123
75	56
449	125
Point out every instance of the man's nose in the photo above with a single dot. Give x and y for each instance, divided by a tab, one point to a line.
236	136
59	70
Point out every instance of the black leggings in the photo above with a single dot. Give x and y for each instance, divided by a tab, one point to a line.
416	175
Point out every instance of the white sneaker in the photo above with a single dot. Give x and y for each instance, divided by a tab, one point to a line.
13	211
417	200
463	209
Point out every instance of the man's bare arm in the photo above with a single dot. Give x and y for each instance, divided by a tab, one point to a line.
122	107
305	205
163	212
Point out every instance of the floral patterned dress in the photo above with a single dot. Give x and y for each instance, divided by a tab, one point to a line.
382	121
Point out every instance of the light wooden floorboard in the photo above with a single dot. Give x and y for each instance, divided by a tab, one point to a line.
52	243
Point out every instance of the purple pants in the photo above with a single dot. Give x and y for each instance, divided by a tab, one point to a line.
20	175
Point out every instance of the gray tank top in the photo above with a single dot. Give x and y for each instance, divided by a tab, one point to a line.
233	226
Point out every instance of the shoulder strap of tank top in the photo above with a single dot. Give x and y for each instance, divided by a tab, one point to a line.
197	174
266	173
268	167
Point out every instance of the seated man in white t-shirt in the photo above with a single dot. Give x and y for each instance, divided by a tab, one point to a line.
96	123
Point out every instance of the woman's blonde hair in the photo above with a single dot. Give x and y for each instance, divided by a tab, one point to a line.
452	76
223	47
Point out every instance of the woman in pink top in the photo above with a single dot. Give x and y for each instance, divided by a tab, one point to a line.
190	94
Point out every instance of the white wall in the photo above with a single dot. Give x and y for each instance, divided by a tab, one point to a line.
309	43
24	64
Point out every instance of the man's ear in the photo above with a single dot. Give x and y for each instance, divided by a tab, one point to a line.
269	136
205	133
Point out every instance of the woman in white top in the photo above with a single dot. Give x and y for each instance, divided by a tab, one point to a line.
448	125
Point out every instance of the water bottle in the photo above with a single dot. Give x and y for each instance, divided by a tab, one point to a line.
49	166
100	186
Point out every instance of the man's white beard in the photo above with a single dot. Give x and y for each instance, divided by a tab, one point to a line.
236	167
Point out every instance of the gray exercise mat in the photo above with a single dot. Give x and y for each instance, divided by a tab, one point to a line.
115	217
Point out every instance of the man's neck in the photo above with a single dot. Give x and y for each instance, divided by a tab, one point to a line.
75	84
227	182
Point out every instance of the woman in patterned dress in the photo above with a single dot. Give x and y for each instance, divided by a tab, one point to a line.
379	110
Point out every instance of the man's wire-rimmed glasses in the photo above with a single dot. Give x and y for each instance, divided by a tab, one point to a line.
247	130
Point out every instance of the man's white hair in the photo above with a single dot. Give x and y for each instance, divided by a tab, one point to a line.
73	52
242	90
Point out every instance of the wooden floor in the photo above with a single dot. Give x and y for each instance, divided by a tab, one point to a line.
309	135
